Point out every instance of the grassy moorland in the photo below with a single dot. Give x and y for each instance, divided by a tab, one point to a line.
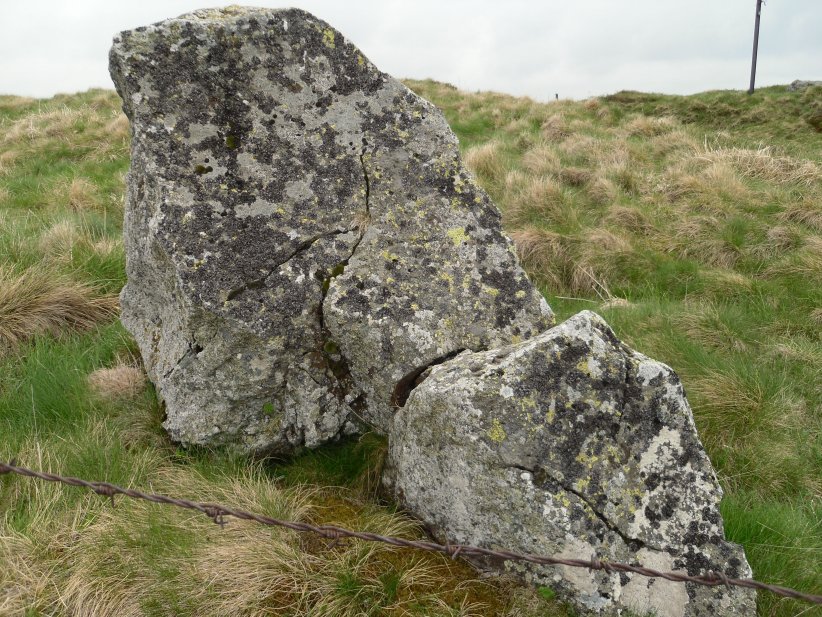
693	224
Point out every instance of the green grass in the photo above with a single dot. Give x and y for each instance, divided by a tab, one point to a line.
693	224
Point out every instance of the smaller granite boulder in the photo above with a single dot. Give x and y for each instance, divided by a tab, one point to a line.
570	444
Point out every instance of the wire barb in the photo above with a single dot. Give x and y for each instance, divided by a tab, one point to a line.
453	550
8	468
106	490
217	513
720	578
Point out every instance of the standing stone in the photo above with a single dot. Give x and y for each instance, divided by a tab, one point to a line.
570	444
302	239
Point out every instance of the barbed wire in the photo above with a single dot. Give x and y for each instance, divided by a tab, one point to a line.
218	514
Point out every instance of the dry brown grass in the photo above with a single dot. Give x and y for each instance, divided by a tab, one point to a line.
608	155
61	123
677	142
597	254
703	186
554	128
696	238
704	324
41	302
602	191
725	283
807	211
805	261
575	176
118	382
578	265
629	218
616	303
542	159
13	102
77	194
764	164
801	349
538	197
7	159
107	246
583	149
779	240
251	570
23	581
97	130
645	126
59	239
543	254
726	399
716	188
486	161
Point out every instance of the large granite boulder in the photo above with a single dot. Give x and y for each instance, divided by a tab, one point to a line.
570	444
302	240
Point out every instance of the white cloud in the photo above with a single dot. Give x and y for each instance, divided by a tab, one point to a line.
577	49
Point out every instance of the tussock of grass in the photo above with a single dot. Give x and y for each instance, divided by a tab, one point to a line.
77	194
121	381
486	162
696	238
730	400
542	159
765	165
631	219
602	191
806	211
59	239
38	302
805	262
644	126
536	197
554	127
543	253
709	327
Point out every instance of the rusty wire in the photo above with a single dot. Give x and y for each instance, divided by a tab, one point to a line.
218	512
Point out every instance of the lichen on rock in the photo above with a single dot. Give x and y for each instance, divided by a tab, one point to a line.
301	236
570	444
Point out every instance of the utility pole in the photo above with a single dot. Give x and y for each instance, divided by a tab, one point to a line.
755	45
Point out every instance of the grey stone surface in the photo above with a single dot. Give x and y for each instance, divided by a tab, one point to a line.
301	236
798	85
570	444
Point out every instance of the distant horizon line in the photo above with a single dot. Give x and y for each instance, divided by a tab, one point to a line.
469	91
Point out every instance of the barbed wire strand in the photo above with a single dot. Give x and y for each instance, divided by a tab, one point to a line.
218	514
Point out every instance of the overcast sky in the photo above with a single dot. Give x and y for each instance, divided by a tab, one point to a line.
577	48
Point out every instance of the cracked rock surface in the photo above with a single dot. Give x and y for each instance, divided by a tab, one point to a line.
570	444
302	240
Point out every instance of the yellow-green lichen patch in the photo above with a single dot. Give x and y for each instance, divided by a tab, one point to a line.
496	433
328	38
457	235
